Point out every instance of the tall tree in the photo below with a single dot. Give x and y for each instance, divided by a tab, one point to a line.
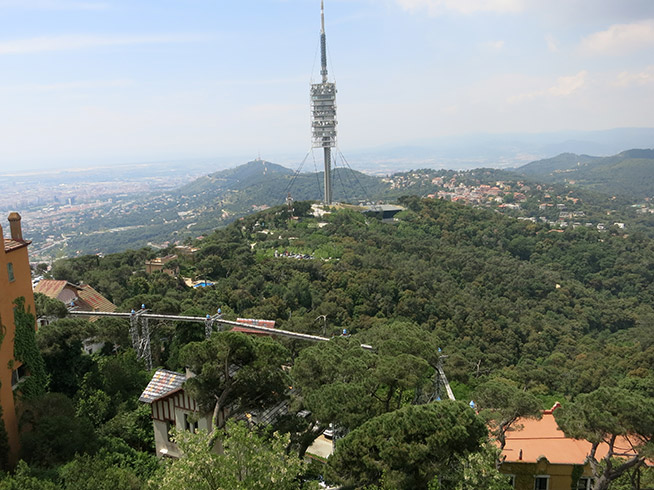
61	345
408	448
234	373
502	404
249	462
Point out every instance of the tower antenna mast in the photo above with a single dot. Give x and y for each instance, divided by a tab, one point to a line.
323	111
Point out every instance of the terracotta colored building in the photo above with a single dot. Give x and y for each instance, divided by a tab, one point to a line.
15	282
538	456
81	298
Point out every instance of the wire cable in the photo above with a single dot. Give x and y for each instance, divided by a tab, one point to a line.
365	193
295	174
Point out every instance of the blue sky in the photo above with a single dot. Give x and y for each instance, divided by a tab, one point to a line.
87	82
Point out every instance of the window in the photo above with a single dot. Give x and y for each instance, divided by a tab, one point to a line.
511	479
541	482
10	271
169	427
17	375
189	424
585	483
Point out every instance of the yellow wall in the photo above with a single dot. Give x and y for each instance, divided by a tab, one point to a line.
560	474
9	291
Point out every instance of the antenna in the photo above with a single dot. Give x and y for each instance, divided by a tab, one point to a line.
323	110
323	43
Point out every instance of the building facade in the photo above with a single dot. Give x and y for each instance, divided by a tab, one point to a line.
161	264
15	282
539	456
172	408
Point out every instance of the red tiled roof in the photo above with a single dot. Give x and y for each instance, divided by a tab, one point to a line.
529	440
11	244
95	300
255	322
88	299
52	287
162	383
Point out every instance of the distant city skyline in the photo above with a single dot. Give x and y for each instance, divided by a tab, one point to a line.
113	81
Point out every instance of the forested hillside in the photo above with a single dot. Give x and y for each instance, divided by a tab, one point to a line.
599	190
513	305
496	292
206	204
630	173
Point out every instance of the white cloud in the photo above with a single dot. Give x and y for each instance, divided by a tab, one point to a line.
567	85
552	43
627	79
620	38
563	87
437	7
67	43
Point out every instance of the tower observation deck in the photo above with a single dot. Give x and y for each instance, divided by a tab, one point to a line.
323	111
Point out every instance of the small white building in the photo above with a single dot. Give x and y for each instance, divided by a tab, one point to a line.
172	407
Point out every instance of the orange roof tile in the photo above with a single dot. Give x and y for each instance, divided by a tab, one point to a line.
11	244
529	440
88	299
52	287
95	300
255	322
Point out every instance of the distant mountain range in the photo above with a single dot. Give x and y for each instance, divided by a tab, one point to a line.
506	150
629	173
214	200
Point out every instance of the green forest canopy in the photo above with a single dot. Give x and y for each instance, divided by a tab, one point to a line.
556	314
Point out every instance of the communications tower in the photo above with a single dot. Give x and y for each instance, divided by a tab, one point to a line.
323	110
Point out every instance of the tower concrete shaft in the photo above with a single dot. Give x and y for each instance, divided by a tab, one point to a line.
328	175
323	111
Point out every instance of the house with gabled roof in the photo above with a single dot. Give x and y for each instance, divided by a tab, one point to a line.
82	297
539	456
172	407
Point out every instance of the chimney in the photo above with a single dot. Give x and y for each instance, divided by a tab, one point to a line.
14	226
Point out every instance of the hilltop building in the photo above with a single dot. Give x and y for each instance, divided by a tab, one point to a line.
15	282
159	264
187	251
